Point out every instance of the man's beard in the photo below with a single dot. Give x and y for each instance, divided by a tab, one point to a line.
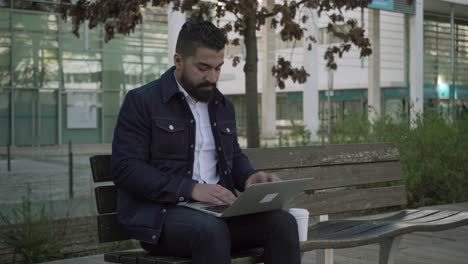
199	92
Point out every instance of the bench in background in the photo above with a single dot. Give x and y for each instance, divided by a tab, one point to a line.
347	178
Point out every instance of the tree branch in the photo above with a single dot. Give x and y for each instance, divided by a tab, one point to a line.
272	14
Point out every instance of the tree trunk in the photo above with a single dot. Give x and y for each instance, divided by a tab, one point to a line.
251	93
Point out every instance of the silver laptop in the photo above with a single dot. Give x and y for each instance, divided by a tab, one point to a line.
257	198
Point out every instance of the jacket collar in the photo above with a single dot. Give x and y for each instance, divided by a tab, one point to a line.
170	89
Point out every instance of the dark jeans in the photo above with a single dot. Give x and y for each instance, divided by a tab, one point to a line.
207	239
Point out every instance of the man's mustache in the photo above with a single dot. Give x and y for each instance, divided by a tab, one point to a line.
206	84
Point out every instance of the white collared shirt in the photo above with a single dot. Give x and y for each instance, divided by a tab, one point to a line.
204	163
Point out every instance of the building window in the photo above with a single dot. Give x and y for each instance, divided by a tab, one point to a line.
36	47
326	38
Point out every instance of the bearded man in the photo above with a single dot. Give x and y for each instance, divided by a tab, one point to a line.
176	141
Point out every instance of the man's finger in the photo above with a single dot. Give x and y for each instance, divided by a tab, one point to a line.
215	200
224	195
224	198
274	178
249	182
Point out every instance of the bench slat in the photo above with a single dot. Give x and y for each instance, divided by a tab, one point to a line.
409	214
246	258
129	259
101	168
345	175
443	220
148	259
365	228
333	226
142	257
437	216
109	229
116	257
362	233
106	199
294	157
351	200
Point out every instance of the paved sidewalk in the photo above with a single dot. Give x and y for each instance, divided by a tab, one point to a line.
447	247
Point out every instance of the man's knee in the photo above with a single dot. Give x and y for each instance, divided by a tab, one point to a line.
285	224
212	231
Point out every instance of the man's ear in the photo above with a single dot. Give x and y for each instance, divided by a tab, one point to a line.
178	60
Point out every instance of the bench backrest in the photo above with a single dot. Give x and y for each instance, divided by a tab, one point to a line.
350	177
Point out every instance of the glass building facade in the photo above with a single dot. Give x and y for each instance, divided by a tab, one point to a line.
55	87
445	88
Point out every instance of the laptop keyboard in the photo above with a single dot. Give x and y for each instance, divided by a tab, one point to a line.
217	208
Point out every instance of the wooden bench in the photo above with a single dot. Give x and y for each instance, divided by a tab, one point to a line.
348	178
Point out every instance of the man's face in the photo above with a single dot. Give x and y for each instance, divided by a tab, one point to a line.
199	73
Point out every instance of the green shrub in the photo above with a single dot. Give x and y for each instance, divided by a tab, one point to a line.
433	153
32	234
299	135
124	245
435	161
354	129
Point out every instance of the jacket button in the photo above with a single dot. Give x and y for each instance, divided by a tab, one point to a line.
191	146
189	172
181	199
153	237
164	211
214	124
219	148
225	172
228	130
216	102
171	127
191	120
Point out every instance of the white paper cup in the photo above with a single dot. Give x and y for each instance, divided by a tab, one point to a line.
302	218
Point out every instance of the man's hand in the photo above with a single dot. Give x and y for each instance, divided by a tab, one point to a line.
260	177
213	194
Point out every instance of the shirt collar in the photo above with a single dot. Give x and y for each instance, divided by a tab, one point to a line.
189	98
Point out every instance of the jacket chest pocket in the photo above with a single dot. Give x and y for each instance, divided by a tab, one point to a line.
170	139
227	130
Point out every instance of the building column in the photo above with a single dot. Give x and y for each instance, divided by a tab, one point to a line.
373	91
416	23
268	82
452	63
311	87
175	20
61	89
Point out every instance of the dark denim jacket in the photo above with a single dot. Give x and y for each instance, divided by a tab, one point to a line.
153	153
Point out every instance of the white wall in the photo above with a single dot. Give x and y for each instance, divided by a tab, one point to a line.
350	74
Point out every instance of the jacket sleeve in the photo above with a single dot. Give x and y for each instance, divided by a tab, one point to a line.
131	170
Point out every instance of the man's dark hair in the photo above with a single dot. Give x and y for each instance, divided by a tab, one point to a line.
199	34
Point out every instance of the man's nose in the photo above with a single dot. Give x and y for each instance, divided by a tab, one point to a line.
212	76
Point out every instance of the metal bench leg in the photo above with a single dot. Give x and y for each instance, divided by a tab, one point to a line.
323	256
388	250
